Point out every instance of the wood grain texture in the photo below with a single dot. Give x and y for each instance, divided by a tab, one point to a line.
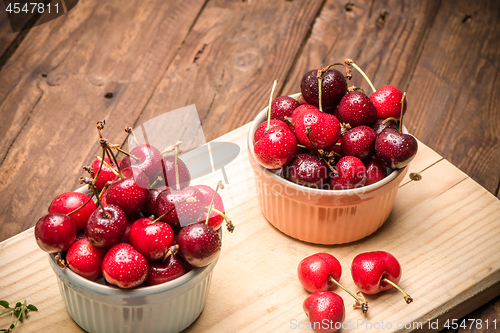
456	89
228	63
443	230
54	92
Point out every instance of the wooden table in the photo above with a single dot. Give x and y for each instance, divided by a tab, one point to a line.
128	62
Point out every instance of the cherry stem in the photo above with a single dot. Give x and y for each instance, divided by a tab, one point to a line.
269	107
320	83
386	120
219	185
350	62
113	157
129	130
308	131
229	223
359	302
106	164
403	101
104	213
407	297
190	199
171	251
298	97
100	126
127	153
159	179
301	146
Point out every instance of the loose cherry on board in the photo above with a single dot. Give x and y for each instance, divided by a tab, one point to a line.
377	271
325	310
85	260
124	266
55	232
321	272
69	202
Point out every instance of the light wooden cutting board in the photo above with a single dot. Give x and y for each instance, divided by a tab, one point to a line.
444	230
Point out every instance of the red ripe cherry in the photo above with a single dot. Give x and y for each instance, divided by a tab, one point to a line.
324	128
150	161
152	239
173	267
276	147
359	142
184	212
356	109
377	271
106	174
150	208
124	266
129	193
215	220
375	171
283	106
325	310
55	232
67	202
307	170
333	88
317	271
394	149
85	260
262	128
104	231
351	174
168	172
387	101
199	244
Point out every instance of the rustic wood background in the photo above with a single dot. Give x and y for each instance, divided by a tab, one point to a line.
129	61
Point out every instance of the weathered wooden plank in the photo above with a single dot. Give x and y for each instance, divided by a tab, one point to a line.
231	57
455	89
382	37
55	87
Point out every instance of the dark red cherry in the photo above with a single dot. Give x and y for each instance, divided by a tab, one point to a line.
381	124
104	231
333	88
359	142
215	220
55	232
199	244
106	174
124	266
151	205
185	212
168	172
152	239
307	170
171	269
375	171
394	149
130	193
356	109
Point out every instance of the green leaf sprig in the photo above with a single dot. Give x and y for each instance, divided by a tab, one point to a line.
19	312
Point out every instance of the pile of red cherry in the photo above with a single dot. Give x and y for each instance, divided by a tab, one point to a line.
335	137
372	272
143	224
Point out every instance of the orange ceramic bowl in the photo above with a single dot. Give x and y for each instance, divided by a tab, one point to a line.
322	216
